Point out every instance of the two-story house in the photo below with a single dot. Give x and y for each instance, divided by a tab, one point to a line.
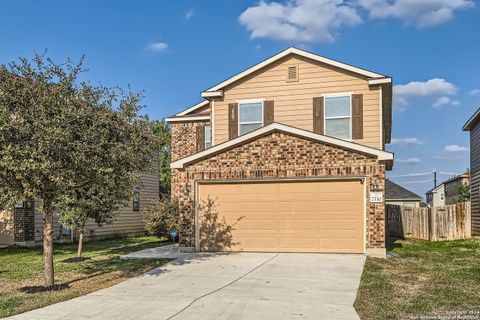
448	191
286	156
452	185
473	126
436	196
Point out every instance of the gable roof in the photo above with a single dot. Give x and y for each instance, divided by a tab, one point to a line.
376	78
380	154
473	120
394	191
186	116
457	177
440	186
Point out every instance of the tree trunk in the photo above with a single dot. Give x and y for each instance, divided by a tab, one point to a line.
48	243
80	241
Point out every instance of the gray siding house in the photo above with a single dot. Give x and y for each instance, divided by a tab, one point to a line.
473	126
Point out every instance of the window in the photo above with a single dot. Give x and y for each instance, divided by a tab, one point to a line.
441	196
208	136
136	203
338	117
250	116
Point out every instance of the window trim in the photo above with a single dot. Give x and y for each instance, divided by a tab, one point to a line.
205	136
136	199
325	118
239	103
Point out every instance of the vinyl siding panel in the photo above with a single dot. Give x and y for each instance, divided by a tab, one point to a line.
127	221
475	178
293	100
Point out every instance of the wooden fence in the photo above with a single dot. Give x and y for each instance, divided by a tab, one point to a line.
450	222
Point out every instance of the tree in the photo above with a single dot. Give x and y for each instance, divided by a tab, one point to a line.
59	137
162	131
463	193
98	202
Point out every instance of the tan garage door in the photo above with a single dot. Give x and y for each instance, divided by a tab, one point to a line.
295	216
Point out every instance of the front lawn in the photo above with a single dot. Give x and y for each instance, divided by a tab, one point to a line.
430	278
21	271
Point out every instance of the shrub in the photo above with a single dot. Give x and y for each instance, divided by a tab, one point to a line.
162	217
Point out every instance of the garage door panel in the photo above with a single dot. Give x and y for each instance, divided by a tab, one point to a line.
246	225
255	242
341	244
297	225
320	216
298	243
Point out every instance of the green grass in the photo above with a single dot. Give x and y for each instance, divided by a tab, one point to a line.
430	278
21	271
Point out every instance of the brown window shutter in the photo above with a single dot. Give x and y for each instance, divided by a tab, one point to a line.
318	115
200	138
232	120
268	113
357	116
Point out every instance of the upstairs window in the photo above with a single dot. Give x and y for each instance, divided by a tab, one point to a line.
208	136
338	117
250	116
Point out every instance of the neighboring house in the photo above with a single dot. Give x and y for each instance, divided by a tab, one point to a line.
398	195
285	156
451	187
436	196
473	125
24	224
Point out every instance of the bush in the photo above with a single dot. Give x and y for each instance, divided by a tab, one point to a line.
162	217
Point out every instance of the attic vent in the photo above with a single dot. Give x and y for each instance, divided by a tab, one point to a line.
292	73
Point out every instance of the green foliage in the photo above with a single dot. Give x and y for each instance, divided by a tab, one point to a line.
162	217
161	130
61	139
72	145
463	193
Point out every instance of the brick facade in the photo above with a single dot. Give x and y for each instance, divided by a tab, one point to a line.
24	224
184	138
280	155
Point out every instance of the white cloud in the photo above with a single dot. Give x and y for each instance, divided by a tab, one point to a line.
420	13
475	92
405	142
436	87
409	160
455	148
299	20
190	14
444	101
157	47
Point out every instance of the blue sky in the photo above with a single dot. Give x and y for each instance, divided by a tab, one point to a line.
174	49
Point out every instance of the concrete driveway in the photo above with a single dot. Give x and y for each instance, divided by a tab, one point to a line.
226	286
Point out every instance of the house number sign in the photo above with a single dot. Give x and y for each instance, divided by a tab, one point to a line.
376	197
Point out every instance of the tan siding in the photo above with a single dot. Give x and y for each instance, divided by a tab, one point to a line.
6	227
127	221
293	100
